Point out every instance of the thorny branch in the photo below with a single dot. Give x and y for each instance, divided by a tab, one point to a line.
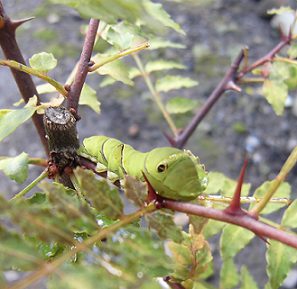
229	82
23	80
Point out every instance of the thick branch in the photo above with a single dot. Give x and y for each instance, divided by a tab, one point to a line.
23	80
224	85
83	66
244	221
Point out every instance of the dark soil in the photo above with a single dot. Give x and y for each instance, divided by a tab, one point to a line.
215	35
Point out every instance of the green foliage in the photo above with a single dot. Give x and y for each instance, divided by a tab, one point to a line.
12	119
15	168
43	61
247	281
170	82
178	105
89	97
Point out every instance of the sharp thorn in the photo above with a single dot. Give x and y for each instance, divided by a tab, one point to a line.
16	23
232	86
234	208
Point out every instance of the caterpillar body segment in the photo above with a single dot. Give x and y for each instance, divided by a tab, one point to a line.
173	173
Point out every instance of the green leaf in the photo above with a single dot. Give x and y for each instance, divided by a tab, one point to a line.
281	10
283	191
89	97
276	94
161	64
280	259
106	200
292	51
229	277
247	281
10	121
116	69
106	81
16	168
179	105
157	43
45	88
43	61
156	11
198	223
233	240
135	190
162	222
212	228
170	82
219	183
290	216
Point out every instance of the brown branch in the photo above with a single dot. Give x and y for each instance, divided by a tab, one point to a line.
225	84
23	80
244	221
83	66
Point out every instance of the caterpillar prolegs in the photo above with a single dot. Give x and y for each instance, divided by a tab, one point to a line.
173	173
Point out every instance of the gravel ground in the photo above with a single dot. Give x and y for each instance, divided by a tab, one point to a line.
215	35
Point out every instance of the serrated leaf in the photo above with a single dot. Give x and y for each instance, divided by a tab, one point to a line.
290	216
283	191
156	11
178	105
276	93
116	69
170	82
16	168
234	239
198	223
280	259
292	51
89	97
229	277
10	121
106	81
135	190
43	61
106	200
247	281
161	64
157	43
45	88
219	183
162	222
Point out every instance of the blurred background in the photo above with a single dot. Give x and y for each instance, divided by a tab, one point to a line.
215	33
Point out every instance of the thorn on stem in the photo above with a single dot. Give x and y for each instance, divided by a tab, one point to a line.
232	86
152	196
234	208
17	23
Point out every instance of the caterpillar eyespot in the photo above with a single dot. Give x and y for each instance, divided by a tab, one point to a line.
173	173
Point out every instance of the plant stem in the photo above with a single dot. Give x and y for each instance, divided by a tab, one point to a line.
24	81
287	167
21	67
83	65
49	268
119	55
286	60
243	220
38	162
155	94
27	189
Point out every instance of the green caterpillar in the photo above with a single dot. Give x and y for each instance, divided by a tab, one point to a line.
173	173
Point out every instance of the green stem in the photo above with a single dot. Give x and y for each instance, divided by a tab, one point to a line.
38	162
49	268
21	67
287	167
155	94
27	189
118	55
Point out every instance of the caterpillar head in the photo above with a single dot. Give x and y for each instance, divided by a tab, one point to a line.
175	174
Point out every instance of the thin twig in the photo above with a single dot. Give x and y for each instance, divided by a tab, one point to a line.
182	138
23	80
21	67
83	65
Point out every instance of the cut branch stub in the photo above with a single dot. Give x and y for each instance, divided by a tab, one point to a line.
61	133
